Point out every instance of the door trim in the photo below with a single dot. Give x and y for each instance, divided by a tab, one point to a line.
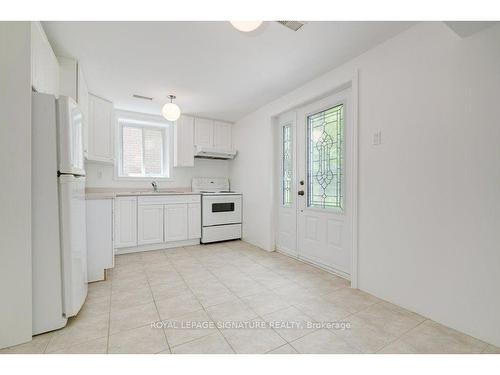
352	82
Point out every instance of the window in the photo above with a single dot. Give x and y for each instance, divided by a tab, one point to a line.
143	149
325	154
286	165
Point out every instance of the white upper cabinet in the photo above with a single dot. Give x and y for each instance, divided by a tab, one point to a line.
100	130
44	64
73	84
83	103
68	77
184	142
212	134
191	133
203	132
222	135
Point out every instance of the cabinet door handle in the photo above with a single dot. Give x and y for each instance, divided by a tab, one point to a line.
301	192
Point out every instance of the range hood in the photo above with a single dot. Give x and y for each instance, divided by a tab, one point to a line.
213	153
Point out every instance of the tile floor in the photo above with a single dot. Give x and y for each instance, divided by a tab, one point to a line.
236	298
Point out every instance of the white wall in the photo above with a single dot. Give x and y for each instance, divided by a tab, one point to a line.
102	175
429	196
15	186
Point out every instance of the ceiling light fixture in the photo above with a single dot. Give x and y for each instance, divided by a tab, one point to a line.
246	26
171	111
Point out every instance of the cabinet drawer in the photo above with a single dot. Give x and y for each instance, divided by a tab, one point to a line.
169	199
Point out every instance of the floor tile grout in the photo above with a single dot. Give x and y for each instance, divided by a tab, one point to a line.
159	316
243	268
203	307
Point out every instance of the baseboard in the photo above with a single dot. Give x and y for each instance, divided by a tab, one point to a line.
160	246
318	265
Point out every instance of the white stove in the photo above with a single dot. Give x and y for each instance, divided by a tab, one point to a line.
221	209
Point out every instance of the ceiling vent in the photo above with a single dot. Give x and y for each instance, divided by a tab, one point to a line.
142	97
292	25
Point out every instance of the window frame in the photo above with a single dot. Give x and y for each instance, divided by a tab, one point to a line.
143	121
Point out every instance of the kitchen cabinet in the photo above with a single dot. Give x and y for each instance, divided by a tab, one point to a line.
203	132
100	130
68	77
125	222
44	64
176	222
73	84
184	142
149	224
100	250
212	134
83	103
155	221
194	220
222	135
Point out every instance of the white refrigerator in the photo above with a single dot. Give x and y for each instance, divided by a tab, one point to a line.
59	249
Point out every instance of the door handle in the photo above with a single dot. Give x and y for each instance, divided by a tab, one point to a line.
300	192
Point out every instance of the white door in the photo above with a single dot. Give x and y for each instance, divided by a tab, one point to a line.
100	253
149	224
221	209
194	220
222	135
184	142
100	131
125	222
321	183
176	222
287	209
73	242
203	132
70	137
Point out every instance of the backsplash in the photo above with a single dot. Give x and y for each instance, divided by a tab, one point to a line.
102	175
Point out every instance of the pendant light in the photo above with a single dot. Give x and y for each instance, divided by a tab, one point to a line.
171	111
246	26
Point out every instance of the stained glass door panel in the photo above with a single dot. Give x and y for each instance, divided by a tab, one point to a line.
325	158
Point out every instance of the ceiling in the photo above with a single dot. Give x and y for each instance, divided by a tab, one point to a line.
215	70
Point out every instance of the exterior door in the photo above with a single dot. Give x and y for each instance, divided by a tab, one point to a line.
317	188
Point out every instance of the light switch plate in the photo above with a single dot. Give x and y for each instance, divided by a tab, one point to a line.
377	138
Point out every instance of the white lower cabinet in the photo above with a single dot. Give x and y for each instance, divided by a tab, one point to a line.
149	224
99	216
156	220
194	220
176	222
125	222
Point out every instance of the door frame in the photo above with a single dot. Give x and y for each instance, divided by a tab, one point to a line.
348	82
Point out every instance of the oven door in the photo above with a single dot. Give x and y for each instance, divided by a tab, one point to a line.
221	209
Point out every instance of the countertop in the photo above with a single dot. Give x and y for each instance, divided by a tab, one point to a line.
111	193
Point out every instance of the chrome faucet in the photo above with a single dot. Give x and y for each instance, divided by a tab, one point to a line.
155	186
